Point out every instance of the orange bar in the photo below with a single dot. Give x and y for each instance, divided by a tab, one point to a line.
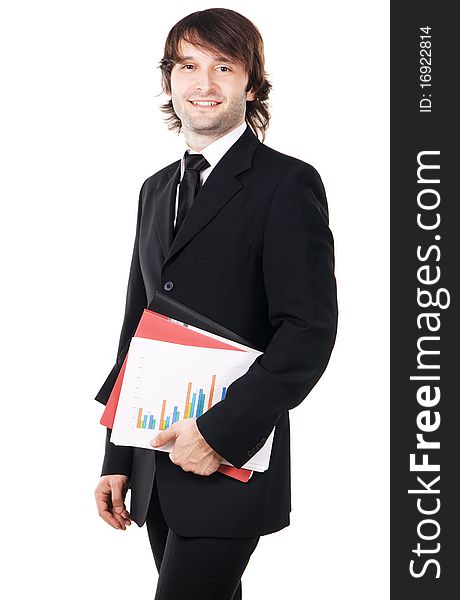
139	418
211	391
162	416
187	400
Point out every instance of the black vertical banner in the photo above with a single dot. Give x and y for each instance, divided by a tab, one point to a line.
425	329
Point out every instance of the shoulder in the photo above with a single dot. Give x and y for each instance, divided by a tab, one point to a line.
295	185
158	178
284	169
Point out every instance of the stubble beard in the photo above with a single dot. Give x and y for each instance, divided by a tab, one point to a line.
217	124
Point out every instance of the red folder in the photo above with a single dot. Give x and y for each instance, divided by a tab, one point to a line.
156	326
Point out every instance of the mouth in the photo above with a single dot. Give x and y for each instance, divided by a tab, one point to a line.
205	104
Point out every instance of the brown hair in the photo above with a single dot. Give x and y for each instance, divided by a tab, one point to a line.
227	32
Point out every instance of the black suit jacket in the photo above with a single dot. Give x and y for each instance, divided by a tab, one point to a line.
255	253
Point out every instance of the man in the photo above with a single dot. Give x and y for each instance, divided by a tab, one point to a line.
238	232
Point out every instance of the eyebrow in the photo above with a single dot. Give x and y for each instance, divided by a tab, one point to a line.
216	59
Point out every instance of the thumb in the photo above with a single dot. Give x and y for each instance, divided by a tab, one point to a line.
117	496
164	436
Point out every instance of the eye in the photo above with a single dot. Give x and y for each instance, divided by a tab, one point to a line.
223	67
184	66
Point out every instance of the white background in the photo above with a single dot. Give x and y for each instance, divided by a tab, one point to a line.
80	132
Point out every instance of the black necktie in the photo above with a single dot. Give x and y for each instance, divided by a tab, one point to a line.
189	185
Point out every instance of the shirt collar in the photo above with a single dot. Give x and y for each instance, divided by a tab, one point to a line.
214	151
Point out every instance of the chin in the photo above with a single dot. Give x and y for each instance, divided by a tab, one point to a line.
203	124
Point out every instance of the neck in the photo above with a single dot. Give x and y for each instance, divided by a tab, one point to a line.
197	141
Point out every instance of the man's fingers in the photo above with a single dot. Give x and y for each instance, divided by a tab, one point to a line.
122	522
122	515
110	519
122	512
103	509
117	487
119	511
110	494
164	436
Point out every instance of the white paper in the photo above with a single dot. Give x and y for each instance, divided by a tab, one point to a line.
160	375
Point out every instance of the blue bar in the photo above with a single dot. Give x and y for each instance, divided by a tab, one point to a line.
167	422
175	415
151	422
198	402
193	404
144	422
199	410
224	392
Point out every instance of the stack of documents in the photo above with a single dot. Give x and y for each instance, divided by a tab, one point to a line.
176	371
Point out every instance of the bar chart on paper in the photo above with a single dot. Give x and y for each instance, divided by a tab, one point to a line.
166	382
192	407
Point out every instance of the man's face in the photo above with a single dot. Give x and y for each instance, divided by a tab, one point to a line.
200	77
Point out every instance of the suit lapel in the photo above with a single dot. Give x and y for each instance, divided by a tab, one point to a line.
164	206
218	189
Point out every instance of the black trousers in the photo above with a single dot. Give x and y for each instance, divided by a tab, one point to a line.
195	568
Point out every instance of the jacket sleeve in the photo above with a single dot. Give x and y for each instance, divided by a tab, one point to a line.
298	271
117	459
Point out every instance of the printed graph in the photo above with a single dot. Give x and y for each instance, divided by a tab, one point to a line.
165	382
193	405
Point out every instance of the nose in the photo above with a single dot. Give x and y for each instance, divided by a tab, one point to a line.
205	80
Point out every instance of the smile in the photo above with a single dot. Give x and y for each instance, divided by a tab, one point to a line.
204	103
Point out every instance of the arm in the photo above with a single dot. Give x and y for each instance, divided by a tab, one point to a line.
117	459
298	269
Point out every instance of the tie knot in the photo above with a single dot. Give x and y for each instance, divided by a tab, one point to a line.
195	162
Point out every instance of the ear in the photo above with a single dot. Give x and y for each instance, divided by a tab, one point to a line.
250	96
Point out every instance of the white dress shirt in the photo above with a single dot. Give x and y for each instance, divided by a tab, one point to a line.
212	153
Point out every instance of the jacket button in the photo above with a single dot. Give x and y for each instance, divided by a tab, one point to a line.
168	286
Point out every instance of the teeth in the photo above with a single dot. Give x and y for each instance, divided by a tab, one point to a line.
205	103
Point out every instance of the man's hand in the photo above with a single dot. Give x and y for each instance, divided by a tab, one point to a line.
110	495
190	450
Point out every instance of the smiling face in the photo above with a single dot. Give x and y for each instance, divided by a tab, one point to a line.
200	78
